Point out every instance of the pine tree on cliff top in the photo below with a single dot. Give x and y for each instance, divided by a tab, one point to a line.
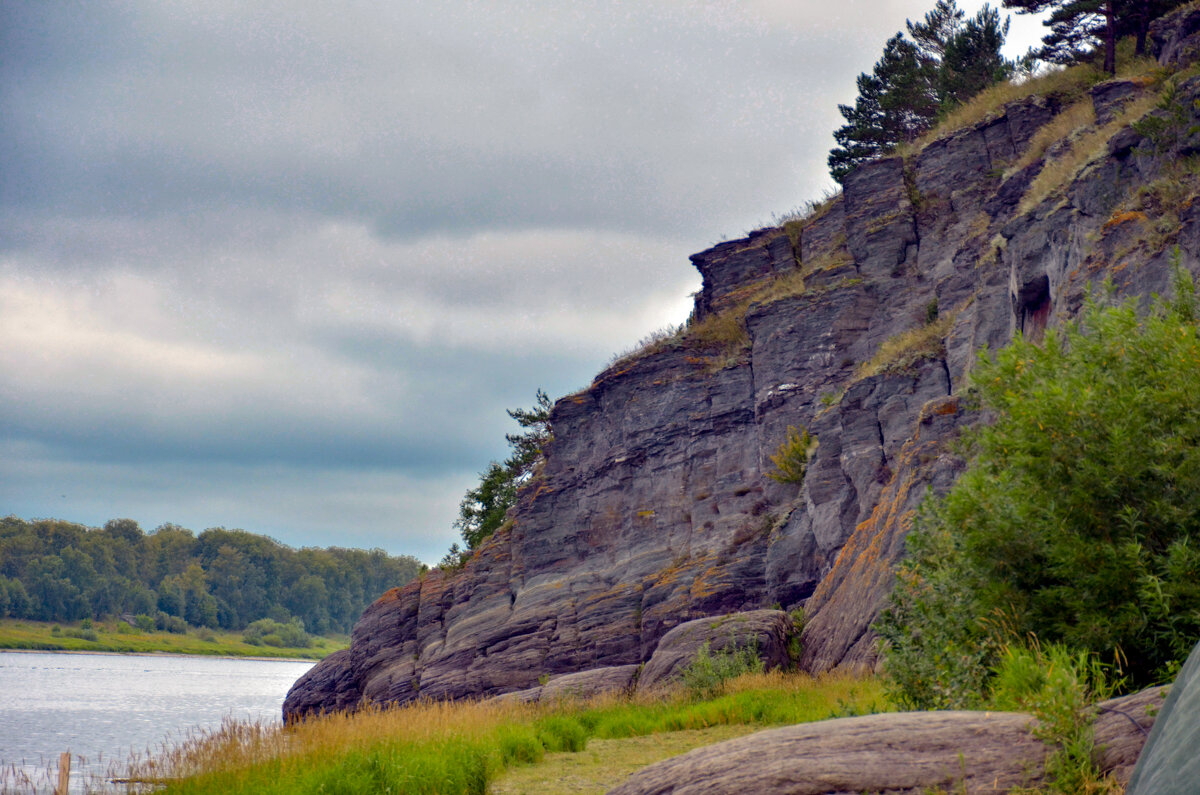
1079	27
947	61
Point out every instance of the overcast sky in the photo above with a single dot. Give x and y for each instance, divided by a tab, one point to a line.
283	265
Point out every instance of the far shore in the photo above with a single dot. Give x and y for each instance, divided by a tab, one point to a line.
159	654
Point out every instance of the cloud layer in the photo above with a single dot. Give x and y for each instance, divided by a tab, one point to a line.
282	266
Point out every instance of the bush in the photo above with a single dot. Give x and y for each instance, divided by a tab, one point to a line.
1077	520
1058	687
269	632
791	459
708	671
169	623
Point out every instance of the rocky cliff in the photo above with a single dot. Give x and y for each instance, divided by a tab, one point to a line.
860	323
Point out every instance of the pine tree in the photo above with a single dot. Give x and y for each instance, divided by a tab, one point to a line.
484	507
1078	27
948	60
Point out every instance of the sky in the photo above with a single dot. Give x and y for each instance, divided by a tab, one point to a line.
283	265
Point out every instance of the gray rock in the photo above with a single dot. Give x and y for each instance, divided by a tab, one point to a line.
1111	96
911	752
1175	38
768	632
731	266
1169	765
585	684
328	686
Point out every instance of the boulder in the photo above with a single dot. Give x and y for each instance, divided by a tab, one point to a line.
909	752
768	632
597	681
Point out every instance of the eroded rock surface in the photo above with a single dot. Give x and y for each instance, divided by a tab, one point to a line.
910	752
654	506
767	632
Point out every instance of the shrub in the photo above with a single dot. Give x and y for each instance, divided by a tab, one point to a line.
1077	520
1057	686
791	458
708	671
269	632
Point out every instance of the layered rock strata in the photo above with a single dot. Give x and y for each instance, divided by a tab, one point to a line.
860	323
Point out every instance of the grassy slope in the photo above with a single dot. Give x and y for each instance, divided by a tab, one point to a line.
467	747
24	634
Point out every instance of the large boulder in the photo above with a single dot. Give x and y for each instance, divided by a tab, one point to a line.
768	632
909	752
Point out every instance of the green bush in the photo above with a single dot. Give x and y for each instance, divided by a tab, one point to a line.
1078	518
269	632
708	671
1058	687
791	459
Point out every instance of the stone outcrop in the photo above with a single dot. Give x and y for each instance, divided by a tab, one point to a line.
767	632
654	507
910	752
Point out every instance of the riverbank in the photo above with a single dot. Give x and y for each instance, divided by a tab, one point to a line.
466	747
120	638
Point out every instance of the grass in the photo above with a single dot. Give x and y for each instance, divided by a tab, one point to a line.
607	763
462	747
114	637
1089	143
1066	84
906	349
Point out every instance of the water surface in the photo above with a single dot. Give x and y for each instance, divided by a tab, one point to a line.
103	707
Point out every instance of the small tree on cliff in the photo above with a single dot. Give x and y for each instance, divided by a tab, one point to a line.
483	508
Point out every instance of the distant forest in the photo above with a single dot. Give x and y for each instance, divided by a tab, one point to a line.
52	570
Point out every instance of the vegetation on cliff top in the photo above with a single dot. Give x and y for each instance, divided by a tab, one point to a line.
947	60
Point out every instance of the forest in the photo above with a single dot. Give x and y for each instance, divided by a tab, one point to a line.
53	570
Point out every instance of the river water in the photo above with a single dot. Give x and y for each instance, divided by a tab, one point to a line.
105	707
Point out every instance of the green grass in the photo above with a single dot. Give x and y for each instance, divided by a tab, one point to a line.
462	747
36	635
606	763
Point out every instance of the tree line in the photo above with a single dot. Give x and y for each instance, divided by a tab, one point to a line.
947	58
52	570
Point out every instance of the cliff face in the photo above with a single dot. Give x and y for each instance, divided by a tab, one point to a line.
860	323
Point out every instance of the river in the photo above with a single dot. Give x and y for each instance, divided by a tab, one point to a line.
105	707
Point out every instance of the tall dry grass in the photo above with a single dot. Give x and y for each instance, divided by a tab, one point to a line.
442	747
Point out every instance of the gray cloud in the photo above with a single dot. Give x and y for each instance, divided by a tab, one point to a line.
283	265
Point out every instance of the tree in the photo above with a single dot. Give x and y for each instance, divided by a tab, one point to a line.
1077	520
947	62
483	508
893	106
971	59
1078	27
